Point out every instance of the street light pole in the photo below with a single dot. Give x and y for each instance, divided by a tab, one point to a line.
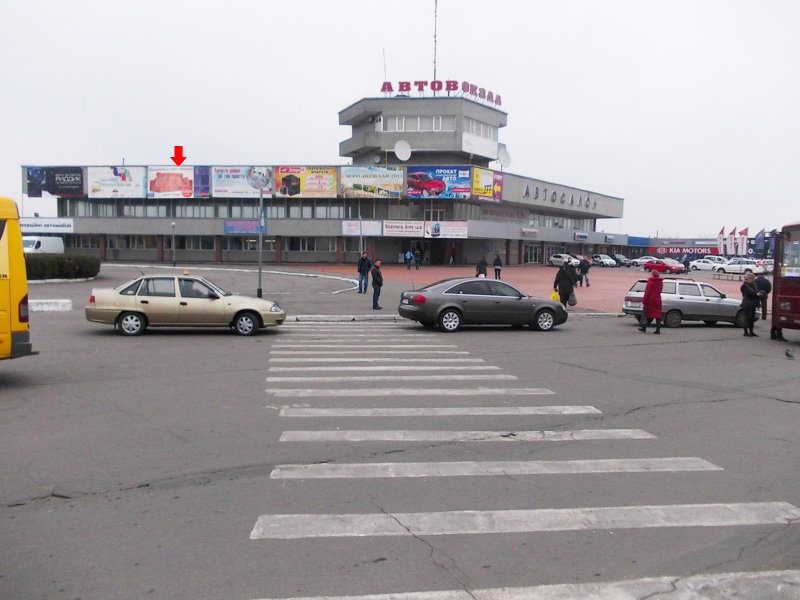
173	243
262	226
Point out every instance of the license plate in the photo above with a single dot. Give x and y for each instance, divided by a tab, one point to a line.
634	305
405	301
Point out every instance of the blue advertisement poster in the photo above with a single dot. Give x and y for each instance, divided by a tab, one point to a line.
202	182
438	182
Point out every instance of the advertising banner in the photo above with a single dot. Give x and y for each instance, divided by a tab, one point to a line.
241	182
64	182
30	226
372	182
446	229
356	228
487	185
305	182
170	182
244	226
116	182
414	229
438	182
202	182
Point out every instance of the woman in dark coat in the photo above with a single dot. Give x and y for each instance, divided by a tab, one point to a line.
481	268
652	302
563	284
751	300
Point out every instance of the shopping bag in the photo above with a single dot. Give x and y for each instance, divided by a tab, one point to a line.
554	296
572	300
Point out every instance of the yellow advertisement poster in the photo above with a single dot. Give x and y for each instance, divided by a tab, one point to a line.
305	182
4	266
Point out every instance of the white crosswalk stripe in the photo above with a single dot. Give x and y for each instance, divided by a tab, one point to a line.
371	435
292	526
361	359
409	377
386	368
436	411
750	585
420	392
462	469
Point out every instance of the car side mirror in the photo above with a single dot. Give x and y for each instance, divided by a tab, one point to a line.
213	296
723	295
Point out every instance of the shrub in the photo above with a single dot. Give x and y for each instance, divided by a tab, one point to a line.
61	266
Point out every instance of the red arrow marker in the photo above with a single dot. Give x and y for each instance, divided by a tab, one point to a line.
179	157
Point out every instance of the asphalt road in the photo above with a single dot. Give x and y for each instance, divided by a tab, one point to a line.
175	465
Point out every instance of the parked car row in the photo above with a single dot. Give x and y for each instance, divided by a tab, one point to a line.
600	260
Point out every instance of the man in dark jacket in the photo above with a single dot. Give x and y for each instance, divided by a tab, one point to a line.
564	283
498	266
751	298
583	272
364	267
765	287
481	268
377	284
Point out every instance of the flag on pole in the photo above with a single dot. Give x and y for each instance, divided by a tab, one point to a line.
759	243
730	244
721	241
741	246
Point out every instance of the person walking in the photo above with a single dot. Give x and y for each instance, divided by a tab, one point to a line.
765	287
751	299
364	267
583	271
377	284
564	284
651	303
480	269
498	266
408	257
417	258
572	271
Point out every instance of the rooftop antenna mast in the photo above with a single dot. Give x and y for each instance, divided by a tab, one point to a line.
435	18
385	78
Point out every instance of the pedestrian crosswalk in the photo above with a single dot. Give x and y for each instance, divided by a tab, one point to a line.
381	364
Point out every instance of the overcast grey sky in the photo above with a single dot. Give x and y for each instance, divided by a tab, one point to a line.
687	109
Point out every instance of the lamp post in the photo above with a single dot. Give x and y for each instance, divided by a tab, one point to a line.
173	243
262	227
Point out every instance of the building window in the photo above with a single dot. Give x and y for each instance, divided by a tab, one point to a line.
426	123
311	244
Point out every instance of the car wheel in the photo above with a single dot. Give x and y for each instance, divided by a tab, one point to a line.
450	320
720	270
668	271
544	320
131	323
710	323
672	319
246	323
694	267
739	321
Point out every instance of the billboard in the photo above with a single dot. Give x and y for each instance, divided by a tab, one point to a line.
305	182
487	184
241	182
116	182
446	229
403	229
170	182
438	182
64	182
372	182
244	226
356	228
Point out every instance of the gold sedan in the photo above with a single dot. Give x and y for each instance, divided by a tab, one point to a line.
179	301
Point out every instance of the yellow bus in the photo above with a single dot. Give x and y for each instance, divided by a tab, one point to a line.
15	336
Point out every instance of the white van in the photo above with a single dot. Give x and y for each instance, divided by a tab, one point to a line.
40	244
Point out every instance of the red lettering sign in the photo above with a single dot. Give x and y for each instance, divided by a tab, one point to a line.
451	85
436	85
448	85
387	87
420	85
404	86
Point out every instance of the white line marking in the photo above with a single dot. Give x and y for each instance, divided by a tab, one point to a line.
339	335
372	352
295	526
358	346
483	377
332	341
776	585
370	435
469	469
387	368
361	392
392	359
436	411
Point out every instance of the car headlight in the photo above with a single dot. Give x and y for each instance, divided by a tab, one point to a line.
275	308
